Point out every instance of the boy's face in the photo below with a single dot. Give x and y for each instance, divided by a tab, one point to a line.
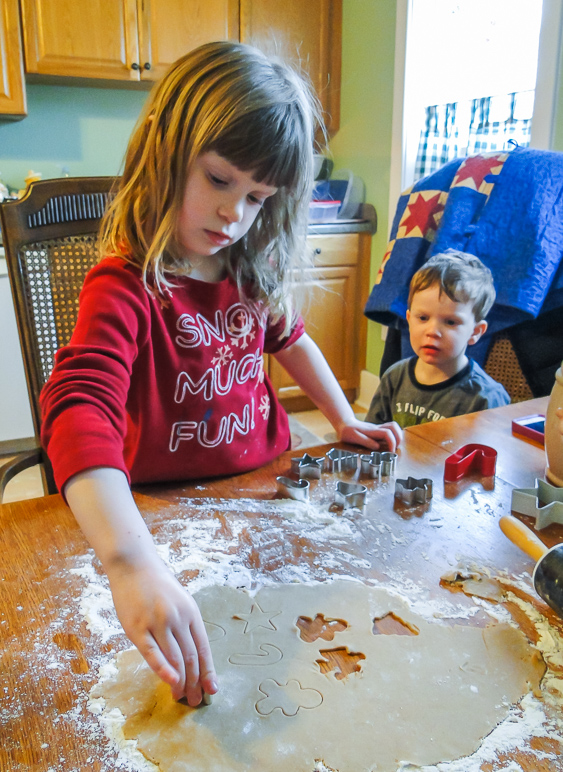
441	329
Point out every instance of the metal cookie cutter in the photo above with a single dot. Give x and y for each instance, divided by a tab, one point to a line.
308	466
293	489
413	491
529	501
350	495
480	458
340	460
378	465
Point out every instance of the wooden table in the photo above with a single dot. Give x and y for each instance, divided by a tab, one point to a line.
49	659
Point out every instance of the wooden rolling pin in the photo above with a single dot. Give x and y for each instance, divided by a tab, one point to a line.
548	572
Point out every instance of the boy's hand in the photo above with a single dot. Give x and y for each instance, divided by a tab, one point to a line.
163	621
373	436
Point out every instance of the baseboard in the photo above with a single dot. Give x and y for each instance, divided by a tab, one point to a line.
13	447
368	384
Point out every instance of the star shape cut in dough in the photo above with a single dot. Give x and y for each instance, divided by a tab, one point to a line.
257	618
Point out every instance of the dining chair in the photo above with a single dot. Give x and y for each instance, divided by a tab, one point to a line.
50	240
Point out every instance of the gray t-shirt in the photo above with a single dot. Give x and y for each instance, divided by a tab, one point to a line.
401	398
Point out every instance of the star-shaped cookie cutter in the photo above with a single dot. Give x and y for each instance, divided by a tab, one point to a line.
350	495
377	465
469	458
413	491
341	460
308	466
544	503
293	489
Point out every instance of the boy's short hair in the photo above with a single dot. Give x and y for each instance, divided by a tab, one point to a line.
463	277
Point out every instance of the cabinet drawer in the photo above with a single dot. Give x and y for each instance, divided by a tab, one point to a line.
336	249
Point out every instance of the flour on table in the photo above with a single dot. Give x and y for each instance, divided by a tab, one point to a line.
212	545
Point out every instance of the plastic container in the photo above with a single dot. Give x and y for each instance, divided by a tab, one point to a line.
354	196
323	211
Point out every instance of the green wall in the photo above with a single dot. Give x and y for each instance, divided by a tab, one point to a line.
363	143
85	130
81	130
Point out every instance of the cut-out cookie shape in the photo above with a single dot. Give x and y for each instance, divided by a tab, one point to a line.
342	661
270	655
257	618
214	632
289	698
319	627
391	624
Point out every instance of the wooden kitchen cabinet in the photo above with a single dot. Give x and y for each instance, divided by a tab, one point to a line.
335	292
309	33
132	41
125	40
12	92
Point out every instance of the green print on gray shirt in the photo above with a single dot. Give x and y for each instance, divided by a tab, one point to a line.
401	398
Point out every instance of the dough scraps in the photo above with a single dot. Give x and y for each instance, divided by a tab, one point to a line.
423	697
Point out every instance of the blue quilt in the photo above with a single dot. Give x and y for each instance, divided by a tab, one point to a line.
504	207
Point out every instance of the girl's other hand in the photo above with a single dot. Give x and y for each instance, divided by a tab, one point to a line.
163	621
373	436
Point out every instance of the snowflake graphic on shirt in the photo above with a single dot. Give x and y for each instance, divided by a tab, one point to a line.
264	406
222	355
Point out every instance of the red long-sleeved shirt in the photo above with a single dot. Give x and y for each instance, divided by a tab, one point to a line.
163	392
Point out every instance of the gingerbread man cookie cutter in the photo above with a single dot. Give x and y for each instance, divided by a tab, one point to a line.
413	491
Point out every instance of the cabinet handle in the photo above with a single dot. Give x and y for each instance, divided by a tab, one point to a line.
146	66
135	66
318	251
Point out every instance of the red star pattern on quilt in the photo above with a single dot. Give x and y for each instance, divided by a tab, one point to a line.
422	213
477	167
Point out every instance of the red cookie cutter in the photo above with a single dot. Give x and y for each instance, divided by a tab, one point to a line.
469	458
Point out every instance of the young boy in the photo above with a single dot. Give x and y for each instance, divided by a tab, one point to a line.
449	298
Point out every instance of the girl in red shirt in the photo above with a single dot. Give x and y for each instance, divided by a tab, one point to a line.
163	377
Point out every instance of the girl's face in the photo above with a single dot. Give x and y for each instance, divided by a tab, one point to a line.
220	204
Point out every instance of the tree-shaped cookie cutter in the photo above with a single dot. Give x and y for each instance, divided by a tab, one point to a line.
469	458
413	491
293	489
350	495
544	503
308	466
377	465
341	460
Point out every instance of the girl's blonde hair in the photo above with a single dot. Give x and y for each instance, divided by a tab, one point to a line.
261	116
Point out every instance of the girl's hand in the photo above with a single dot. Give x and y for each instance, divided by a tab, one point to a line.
372	436
163	621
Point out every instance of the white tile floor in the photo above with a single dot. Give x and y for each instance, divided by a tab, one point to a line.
28	485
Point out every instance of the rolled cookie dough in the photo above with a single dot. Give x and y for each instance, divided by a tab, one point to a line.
425	697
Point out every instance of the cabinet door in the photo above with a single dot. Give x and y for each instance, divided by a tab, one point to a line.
305	31
81	38
171	28
12	93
